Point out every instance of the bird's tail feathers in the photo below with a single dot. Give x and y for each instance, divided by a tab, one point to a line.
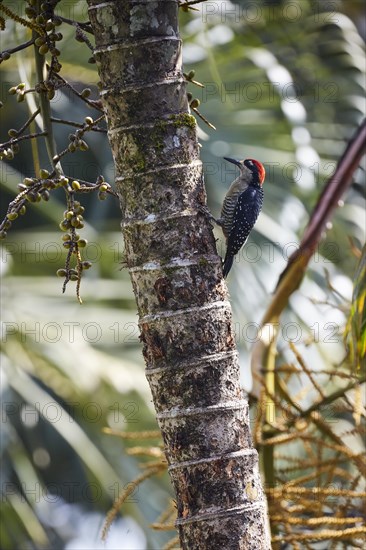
228	262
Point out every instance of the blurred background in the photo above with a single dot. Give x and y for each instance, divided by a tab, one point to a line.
284	83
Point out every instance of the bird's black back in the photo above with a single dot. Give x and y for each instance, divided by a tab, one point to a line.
246	213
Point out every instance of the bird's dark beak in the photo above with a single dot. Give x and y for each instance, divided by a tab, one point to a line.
233	161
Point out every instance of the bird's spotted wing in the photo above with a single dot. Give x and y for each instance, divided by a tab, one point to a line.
246	213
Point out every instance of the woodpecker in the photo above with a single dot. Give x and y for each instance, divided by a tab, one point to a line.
241	207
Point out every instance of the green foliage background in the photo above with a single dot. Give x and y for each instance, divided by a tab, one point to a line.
284	83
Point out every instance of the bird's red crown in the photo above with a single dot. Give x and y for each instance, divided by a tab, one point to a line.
259	167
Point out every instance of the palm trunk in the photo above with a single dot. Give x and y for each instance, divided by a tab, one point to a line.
184	312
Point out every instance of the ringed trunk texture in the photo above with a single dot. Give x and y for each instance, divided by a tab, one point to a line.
184	313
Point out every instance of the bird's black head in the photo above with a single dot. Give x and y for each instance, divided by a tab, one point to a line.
257	170
255	167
